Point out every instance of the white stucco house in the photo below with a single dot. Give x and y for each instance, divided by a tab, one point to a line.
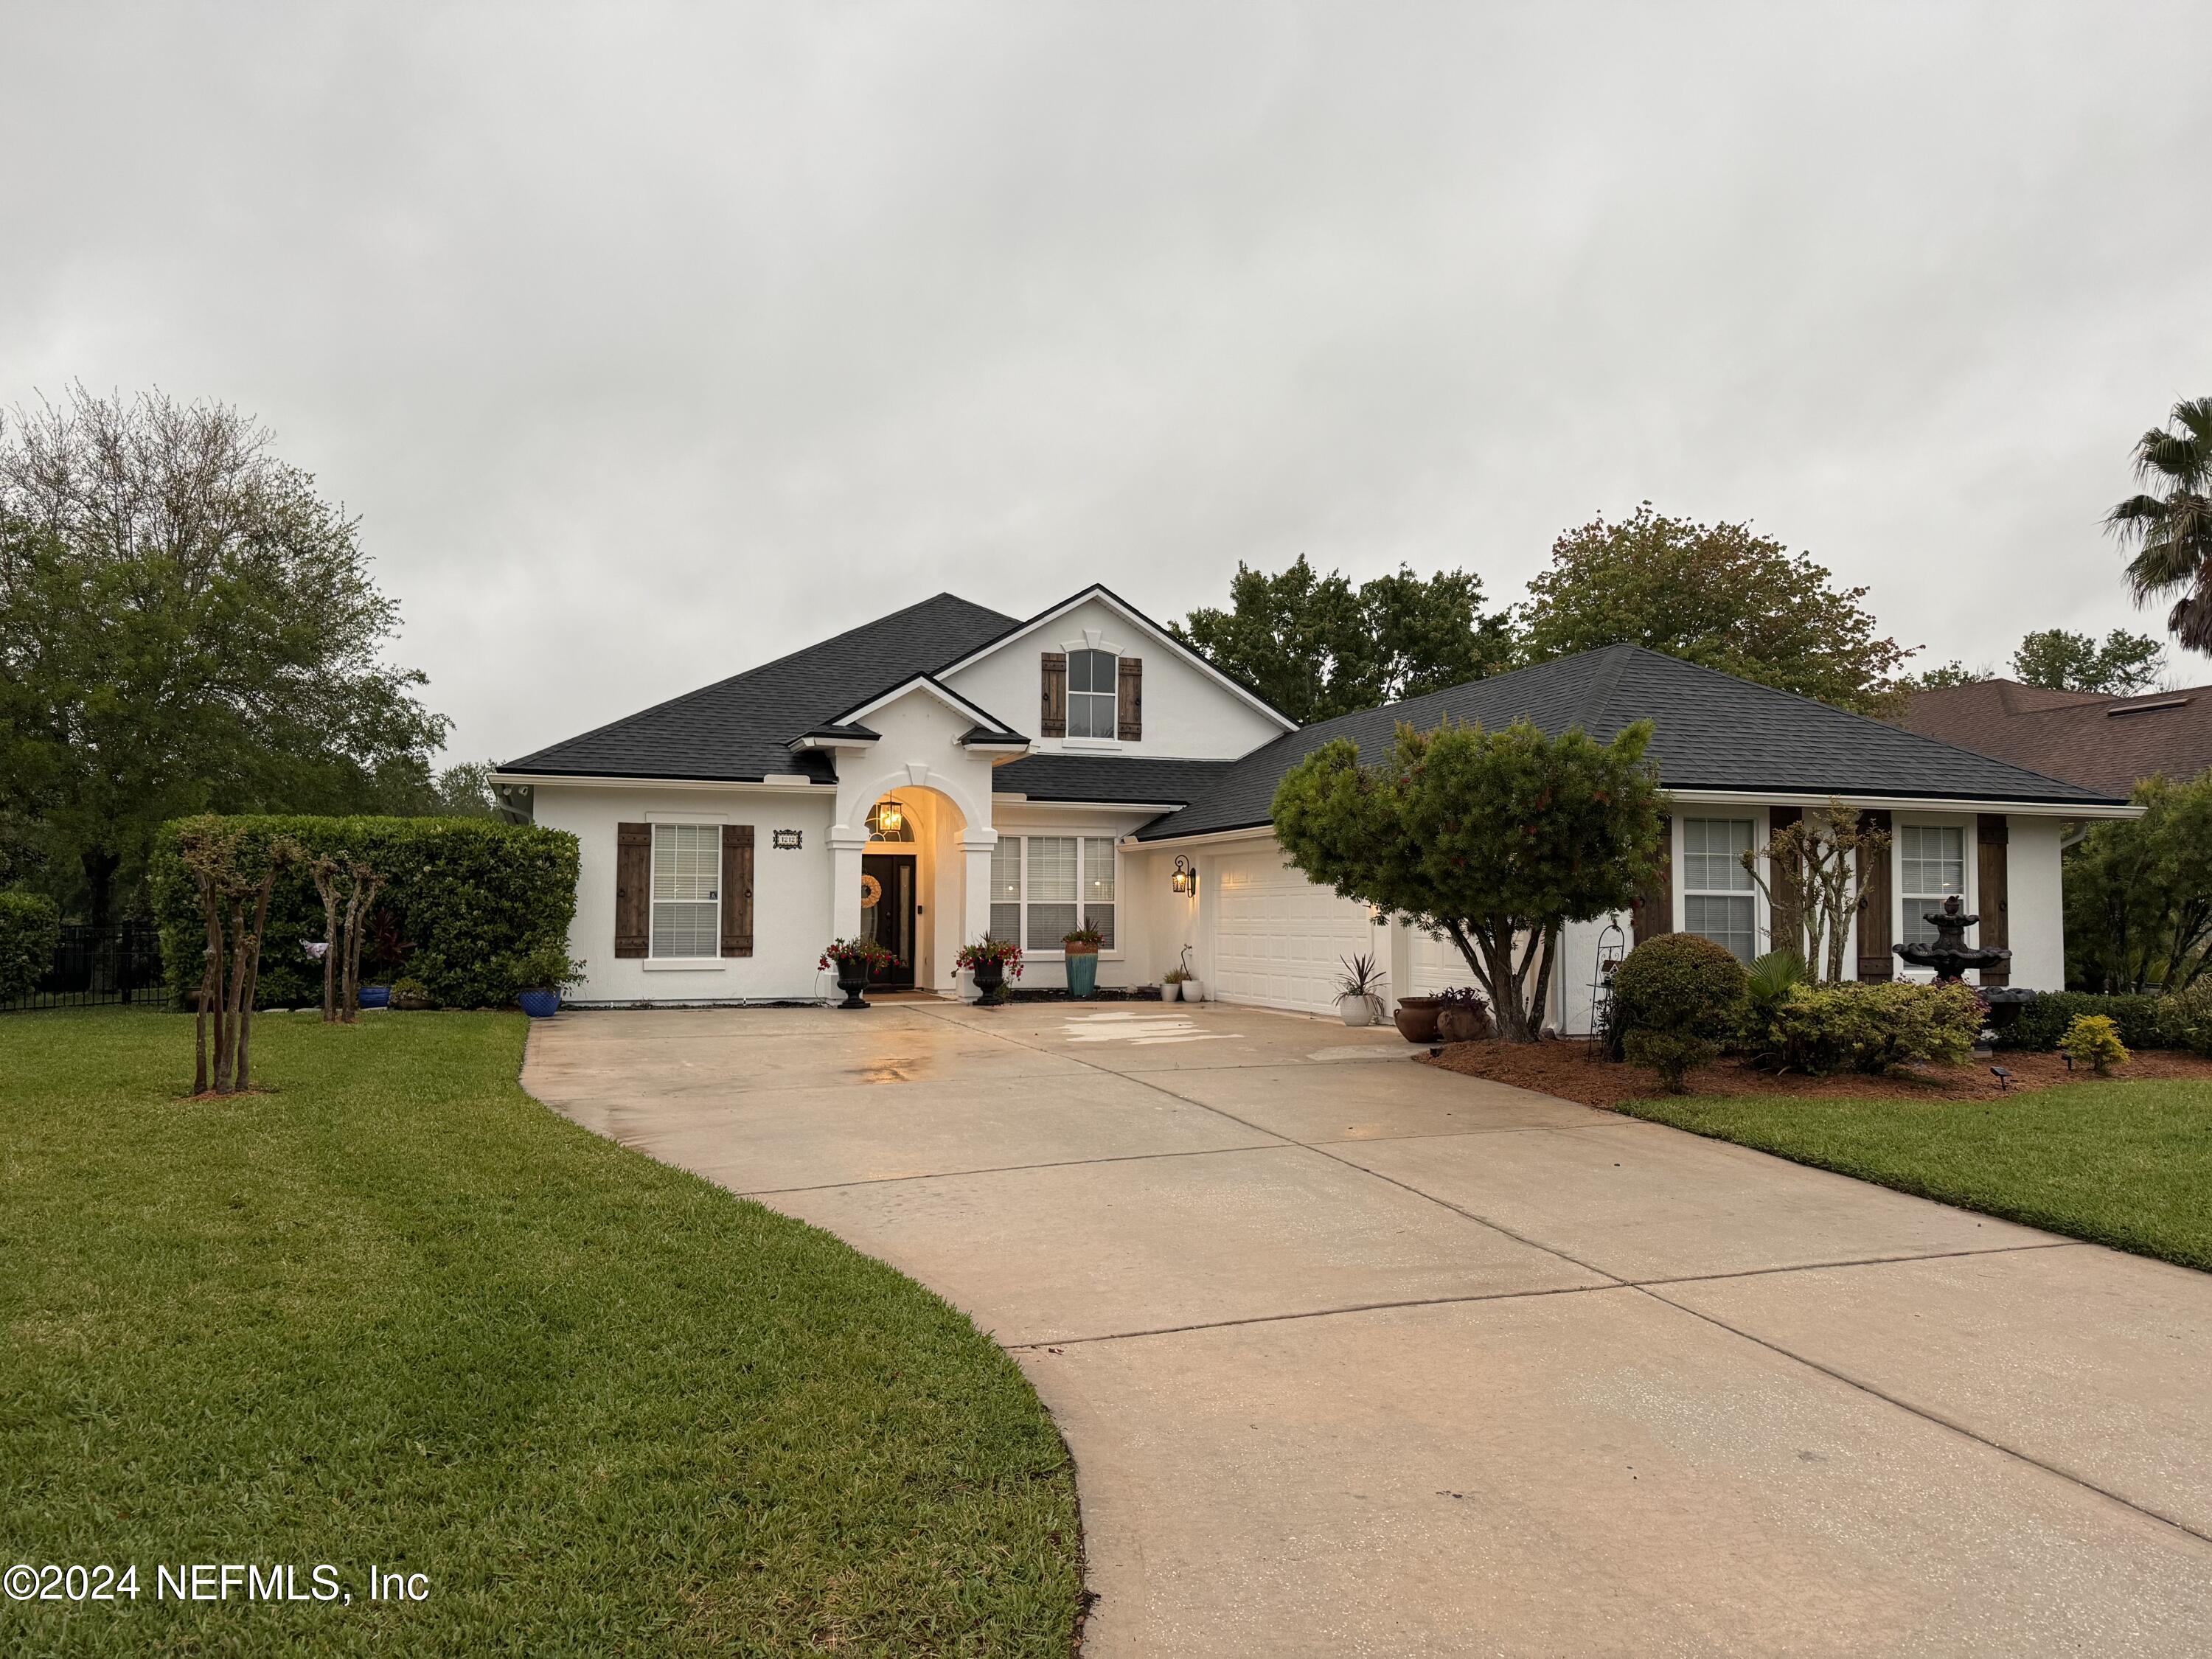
947	772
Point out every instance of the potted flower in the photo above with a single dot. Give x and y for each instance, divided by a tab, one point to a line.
1462	1015
990	960
853	961
1360	990
545	973
1082	948
411	995
1194	988
1172	984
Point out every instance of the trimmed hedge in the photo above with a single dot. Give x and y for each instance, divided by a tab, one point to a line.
1869	1028
30	929
2144	1022
469	900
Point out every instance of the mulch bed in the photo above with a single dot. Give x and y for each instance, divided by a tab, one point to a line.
1573	1071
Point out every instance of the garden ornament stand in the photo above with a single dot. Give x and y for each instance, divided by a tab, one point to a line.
1950	956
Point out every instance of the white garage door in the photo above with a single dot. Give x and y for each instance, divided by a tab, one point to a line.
1279	939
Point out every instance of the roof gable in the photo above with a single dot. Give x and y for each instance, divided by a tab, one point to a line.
1106	596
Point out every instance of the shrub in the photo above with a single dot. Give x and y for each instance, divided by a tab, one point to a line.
2093	1039
1872	1027
472	899
1678	995
1766	988
30	928
411	994
2190	1016
2143	1021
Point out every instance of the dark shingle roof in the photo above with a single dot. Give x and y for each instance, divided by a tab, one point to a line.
738	728
1712	731
1109	778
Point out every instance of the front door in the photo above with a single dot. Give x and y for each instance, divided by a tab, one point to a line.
887	889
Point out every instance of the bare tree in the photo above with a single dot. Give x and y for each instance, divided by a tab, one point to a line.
1812	882
235	882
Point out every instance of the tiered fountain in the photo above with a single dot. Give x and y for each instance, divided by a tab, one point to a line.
1950	956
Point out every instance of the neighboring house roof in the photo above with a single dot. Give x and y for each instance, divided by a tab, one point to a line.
1109	778
1712	731
2101	742
737	729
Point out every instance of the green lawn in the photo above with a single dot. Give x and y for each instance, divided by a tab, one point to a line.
396	1312
2128	1164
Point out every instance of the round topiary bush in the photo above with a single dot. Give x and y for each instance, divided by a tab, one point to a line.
1678	995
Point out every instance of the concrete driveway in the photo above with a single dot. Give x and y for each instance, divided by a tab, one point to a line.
1357	1357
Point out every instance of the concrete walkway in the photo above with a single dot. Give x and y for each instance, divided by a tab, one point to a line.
1357	1357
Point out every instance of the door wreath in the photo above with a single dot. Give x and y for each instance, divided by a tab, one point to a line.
871	892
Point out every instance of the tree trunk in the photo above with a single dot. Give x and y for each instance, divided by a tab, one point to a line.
252	973
211	990
100	867
330	955
229	1080
350	988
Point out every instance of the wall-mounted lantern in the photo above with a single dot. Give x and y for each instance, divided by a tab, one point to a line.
1185	879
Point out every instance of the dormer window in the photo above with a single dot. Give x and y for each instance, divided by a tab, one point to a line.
1091	681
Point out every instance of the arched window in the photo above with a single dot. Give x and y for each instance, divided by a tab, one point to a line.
1091	693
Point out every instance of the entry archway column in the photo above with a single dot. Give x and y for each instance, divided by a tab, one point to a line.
975	847
846	846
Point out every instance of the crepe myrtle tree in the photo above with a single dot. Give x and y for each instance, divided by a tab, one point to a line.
1491	839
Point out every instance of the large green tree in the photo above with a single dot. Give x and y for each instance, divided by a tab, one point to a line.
185	625
2062	661
2168	525
1492	840
2139	893
1316	647
1717	594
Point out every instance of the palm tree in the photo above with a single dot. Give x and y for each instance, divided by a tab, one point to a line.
2171	531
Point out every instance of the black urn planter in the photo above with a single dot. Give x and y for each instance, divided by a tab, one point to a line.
990	980
852	980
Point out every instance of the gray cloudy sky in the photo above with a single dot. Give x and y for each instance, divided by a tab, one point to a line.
650	342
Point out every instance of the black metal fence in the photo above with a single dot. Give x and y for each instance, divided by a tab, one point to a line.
94	965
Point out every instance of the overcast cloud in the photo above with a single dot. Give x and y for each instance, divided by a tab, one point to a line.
650	343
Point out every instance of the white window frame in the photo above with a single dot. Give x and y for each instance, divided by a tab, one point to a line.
1084	840
1761	922
1111	696
654	902
1902	906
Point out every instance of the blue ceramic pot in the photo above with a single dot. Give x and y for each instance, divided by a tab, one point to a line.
539	1005
1082	973
375	996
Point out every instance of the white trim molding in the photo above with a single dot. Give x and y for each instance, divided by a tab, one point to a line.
782	782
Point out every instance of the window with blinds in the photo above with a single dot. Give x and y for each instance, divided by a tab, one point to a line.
687	890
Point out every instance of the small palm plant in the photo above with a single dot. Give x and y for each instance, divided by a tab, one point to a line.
2169	526
1362	981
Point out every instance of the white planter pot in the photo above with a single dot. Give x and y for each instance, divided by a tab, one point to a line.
1193	990
1171	992
1355	1011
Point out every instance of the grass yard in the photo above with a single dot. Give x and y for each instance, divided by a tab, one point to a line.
398	1313
2128	1164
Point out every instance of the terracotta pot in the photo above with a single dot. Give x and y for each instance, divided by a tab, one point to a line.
1462	1024
1416	1018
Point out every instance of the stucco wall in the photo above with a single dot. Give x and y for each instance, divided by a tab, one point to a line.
2036	908
791	892
1188	714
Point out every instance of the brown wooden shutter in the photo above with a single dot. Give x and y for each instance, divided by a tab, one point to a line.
1652	911
1875	905
1052	720
633	890
1788	921
737	890
1129	706
1991	835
